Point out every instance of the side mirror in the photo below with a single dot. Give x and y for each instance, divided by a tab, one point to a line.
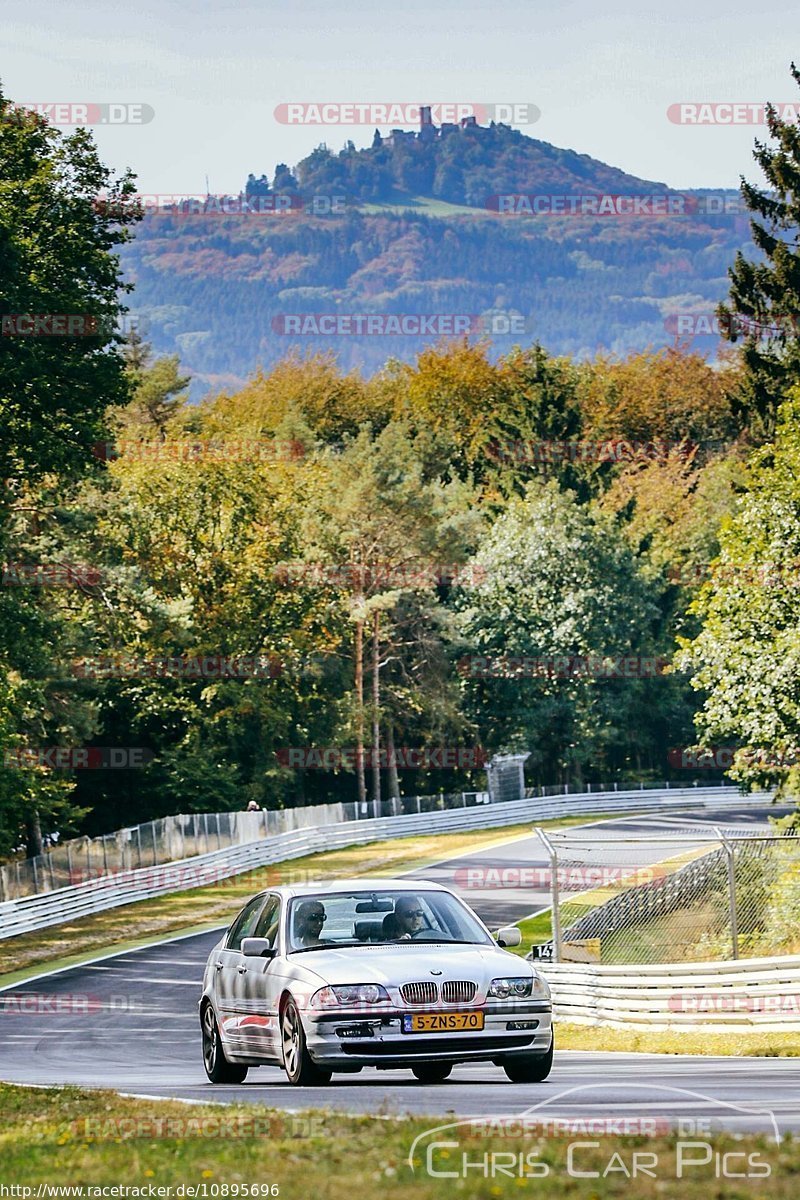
254	947
508	935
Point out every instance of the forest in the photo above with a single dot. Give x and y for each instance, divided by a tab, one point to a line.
331	583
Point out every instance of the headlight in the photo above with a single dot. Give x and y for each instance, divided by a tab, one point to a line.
519	987
349	994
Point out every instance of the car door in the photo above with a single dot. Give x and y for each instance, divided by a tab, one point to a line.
230	969
262	987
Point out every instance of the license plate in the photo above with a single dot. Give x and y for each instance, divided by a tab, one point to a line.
445	1022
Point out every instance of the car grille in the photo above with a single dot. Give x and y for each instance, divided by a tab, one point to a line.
419	993
458	991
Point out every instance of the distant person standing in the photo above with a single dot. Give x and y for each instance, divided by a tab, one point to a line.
253	807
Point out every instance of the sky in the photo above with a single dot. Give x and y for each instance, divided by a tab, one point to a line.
213	74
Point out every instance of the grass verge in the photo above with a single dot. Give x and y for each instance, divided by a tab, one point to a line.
93	1140
204	907
738	1044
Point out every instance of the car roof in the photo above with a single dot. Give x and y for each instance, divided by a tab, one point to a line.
333	887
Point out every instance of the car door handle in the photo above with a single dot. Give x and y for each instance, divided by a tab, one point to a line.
242	970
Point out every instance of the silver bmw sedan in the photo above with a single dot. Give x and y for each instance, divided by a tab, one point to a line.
394	974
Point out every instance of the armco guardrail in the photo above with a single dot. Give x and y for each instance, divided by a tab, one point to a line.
762	994
95	895
185	835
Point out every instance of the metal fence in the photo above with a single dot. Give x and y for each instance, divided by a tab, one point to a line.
187	835
686	894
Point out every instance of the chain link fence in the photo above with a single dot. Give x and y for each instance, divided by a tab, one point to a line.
187	834
684	894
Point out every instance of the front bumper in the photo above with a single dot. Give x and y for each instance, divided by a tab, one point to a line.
375	1038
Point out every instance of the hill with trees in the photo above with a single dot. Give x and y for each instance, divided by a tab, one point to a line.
414	226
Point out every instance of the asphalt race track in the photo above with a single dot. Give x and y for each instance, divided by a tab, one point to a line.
130	1022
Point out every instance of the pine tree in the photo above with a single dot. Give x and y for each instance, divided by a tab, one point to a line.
764	307
136	352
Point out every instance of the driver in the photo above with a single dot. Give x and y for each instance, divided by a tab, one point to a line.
310	918
408	915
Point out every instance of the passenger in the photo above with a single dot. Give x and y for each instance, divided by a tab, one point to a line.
310	918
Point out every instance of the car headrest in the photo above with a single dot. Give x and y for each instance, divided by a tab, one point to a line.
389	926
364	930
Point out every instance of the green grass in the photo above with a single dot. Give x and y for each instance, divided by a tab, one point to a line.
424	205
202	908
678	1041
668	938
67	1137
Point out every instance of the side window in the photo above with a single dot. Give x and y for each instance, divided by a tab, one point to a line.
244	924
267	924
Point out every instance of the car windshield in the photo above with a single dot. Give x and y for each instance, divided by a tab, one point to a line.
380	918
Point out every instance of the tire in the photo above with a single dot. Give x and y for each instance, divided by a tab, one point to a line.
218	1069
529	1068
301	1070
432	1072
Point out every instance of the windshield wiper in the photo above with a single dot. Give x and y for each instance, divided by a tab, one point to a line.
326	946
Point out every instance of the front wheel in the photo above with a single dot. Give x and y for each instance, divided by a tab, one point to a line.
432	1072
529	1068
301	1070
218	1069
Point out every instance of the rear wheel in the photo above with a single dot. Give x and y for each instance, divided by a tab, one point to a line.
218	1069
432	1072
301	1070
529	1068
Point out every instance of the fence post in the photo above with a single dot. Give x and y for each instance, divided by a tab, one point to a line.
728	848
69	864
553	855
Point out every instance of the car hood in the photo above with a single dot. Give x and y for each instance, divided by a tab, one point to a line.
406	962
